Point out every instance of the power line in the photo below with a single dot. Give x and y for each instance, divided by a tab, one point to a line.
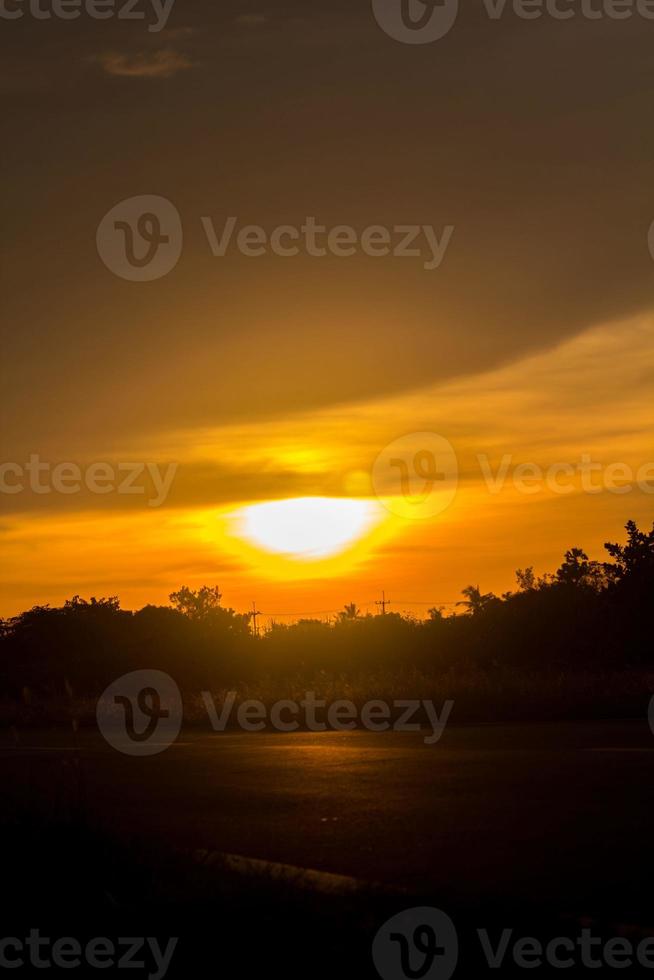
383	602
255	612
423	602
305	612
371	602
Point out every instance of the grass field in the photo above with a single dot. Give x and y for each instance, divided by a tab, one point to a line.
479	695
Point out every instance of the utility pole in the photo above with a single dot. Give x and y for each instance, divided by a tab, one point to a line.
255	612
383	602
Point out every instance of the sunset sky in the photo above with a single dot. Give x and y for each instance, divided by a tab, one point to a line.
276	378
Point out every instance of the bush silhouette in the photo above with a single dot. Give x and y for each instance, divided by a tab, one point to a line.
587	615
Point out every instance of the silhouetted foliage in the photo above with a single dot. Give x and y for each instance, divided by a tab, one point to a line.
349	612
586	615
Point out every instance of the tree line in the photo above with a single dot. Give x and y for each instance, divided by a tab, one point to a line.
587	615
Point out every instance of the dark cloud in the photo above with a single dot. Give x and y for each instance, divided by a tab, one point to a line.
531	137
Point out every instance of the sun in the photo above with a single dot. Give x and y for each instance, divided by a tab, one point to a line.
306	528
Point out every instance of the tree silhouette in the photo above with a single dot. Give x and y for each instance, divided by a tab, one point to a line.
577	570
635	559
526	579
475	602
349	612
587	616
197	605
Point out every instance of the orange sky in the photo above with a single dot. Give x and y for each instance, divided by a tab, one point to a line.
550	408
273	378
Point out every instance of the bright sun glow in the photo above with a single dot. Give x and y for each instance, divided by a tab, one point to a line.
306	528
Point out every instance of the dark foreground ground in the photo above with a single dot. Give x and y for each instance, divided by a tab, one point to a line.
543	828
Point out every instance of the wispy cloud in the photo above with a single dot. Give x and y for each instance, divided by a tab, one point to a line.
590	395
157	64
251	20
